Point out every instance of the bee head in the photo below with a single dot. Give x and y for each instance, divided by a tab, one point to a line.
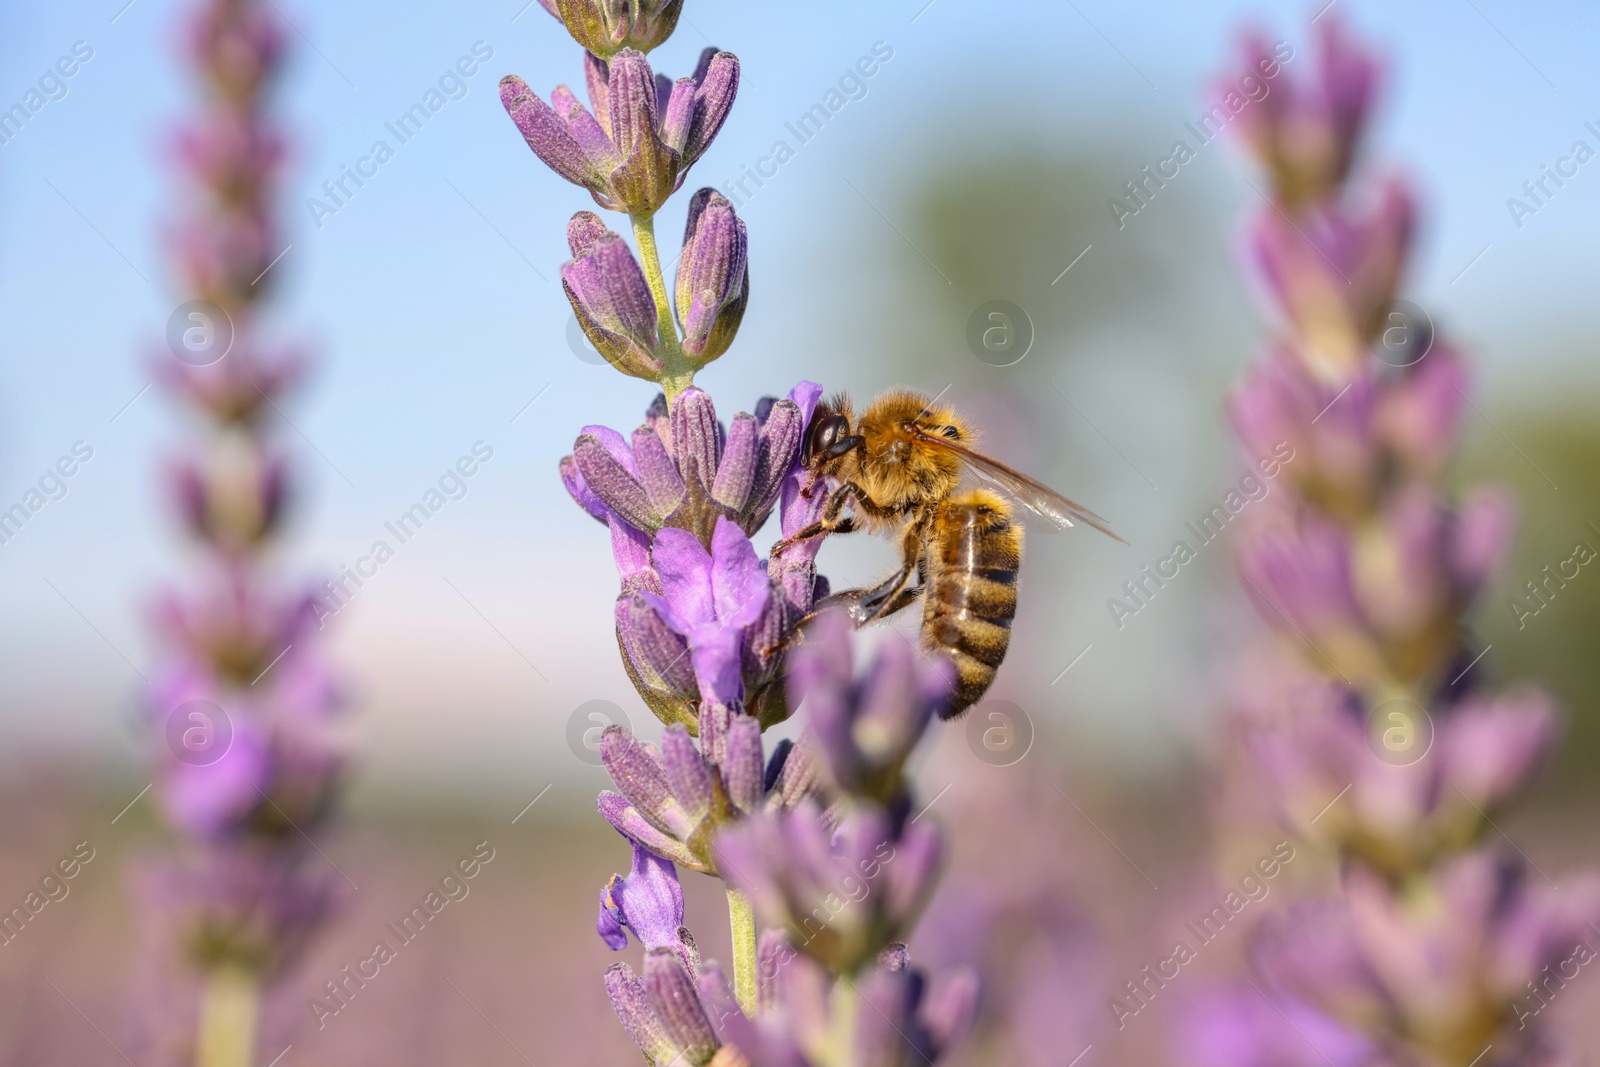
828	437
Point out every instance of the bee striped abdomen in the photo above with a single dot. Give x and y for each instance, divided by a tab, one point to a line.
974	551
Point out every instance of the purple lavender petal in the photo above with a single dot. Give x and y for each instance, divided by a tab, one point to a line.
738	577
209	799
686	580
648	901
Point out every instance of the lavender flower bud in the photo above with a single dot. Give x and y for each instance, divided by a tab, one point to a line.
635	149
684	470
657	659
675	801
1420	417
605	27
610	297
1288	420
1298	573
713	277
631	1001
904	1021
234	390
648	169
1306	131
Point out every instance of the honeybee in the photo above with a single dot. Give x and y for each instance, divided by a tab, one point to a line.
898	468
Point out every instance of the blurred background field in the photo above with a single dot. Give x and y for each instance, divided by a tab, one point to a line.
977	166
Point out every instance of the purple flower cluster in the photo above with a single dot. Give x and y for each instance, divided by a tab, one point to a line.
243	707
1376	736
836	878
701	619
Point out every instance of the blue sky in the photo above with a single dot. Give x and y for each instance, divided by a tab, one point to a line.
429	295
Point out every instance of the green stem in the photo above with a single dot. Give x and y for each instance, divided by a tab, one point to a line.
228	1014
677	374
742	917
846	1009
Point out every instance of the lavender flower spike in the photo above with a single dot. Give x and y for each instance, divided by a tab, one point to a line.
1368	567
713	277
611	298
635	149
605	27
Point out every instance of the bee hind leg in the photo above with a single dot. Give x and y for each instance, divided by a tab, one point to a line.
861	605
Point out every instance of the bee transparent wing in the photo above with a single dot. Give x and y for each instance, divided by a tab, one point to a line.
1035	496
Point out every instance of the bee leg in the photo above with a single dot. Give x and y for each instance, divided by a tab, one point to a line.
902	599
895	593
862	606
795	636
830	522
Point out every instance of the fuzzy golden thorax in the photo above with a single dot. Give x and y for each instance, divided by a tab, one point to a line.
893	470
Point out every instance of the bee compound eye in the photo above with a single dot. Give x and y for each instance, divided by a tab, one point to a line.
824	435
